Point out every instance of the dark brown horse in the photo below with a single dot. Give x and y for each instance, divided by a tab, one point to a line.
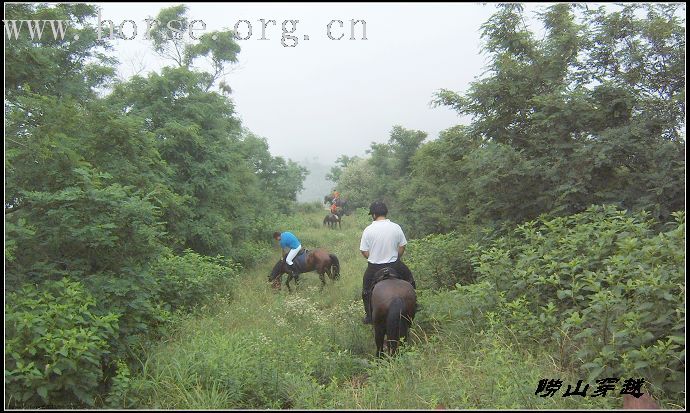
341	207
644	402
318	260
332	220
393	306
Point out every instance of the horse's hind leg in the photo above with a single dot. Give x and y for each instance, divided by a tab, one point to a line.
379	333
323	280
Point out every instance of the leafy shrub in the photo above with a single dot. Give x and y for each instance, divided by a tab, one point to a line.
54	345
251	253
133	296
190	279
90	227
464	307
603	285
440	261
120	394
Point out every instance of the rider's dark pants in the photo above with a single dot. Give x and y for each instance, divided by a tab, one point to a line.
369	280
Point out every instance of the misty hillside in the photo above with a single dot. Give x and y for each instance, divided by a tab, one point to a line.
315	184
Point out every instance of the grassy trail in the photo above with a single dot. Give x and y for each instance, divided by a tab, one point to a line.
260	348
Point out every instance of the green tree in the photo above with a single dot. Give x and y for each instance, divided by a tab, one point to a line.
80	204
217	47
341	163
384	172
592	111
280	180
358	181
52	66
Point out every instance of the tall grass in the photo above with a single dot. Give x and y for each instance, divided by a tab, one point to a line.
309	350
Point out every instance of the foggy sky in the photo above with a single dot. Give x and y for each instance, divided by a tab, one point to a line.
322	97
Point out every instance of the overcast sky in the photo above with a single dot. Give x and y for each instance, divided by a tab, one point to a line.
322	97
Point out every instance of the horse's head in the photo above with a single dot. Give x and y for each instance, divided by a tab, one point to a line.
277	270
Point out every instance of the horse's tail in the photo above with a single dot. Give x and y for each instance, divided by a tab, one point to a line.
396	324
335	266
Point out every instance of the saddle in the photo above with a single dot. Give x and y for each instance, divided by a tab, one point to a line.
385	274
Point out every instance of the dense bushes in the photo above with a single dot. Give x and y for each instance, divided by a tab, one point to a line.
603	286
65	341
440	261
108	184
54	345
189	280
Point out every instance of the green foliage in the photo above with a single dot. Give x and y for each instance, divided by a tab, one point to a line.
102	185
224	177
591	113
342	162
87	228
601	284
189	280
361	181
54	345
72	66
132	295
119	394
440	261
219	47
356	182
280	180
252	361
103	192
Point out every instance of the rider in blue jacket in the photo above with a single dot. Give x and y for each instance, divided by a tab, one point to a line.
288	240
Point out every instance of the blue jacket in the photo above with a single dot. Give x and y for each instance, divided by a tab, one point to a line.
289	240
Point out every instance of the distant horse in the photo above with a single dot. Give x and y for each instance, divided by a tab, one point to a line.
318	260
342	207
332	220
393	306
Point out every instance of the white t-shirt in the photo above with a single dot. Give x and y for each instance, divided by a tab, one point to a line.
382	239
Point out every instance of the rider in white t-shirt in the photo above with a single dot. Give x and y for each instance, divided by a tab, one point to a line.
382	244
